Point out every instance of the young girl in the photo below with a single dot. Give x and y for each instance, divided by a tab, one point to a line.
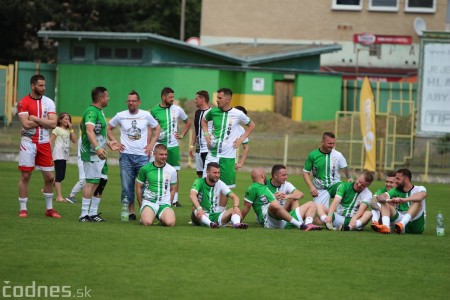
61	136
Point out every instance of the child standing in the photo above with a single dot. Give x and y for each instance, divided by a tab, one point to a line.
61	136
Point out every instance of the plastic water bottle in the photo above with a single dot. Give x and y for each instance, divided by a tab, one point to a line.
125	209
440	231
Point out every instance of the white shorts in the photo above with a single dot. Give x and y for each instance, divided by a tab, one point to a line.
35	156
199	162
270	222
323	198
80	169
338	220
93	169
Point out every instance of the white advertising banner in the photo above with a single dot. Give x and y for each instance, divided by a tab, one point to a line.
435	100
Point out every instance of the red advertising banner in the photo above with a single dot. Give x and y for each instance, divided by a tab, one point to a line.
369	39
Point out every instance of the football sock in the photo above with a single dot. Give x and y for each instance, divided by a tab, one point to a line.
235	219
85	206
322	218
386	221
406	219
308	220
94	206
175	198
295	223
23	203
48	200
358	224
375	216
206	220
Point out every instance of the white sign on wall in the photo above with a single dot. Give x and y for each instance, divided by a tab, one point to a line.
258	85
435	101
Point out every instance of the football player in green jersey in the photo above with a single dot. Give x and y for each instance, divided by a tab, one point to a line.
404	206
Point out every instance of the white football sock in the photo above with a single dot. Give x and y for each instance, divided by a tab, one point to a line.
406	219
386	221
206	220
23	203
358	224
295	223
48	200
235	219
94	206
322	218
85	206
375	216
308	220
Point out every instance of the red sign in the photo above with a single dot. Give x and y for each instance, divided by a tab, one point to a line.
369	39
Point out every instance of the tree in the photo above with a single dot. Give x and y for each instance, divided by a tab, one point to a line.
20	42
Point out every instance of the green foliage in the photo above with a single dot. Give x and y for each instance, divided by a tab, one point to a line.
21	20
443	144
119	260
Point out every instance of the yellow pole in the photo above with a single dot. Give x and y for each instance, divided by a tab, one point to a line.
427	155
286	144
189	162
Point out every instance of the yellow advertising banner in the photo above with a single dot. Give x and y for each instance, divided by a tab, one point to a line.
368	131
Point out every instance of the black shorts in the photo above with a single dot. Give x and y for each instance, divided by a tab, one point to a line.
60	169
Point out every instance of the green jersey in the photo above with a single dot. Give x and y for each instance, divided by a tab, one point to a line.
259	196
381	191
351	200
226	130
94	116
209	196
401	194
167	118
325	167
157	182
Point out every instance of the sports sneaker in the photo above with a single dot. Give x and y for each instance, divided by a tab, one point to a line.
213	225
330	226
71	200
86	218
240	226
97	218
177	204
23	213
132	217
399	228
384	229
310	227
375	226
52	213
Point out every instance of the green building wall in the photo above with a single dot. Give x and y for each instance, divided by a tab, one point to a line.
321	96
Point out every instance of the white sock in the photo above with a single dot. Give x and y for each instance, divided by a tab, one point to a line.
235	219
175	198
23	203
206	220
94	206
358	224
295	223
85	206
48	200
386	221
308	220
322	218
406	219
375	215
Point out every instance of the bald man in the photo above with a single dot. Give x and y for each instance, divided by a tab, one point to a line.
270	213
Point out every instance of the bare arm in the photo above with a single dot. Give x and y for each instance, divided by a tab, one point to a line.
187	126
348	174
153	134
48	123
244	154
246	209
172	192
417	197
337	199
139	187
26	122
196	204
248	130
205	132
312	188
362	208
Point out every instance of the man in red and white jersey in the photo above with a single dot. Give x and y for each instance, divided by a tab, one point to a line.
37	114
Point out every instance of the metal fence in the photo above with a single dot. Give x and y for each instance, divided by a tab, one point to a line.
429	159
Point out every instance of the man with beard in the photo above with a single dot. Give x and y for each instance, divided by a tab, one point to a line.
404	206
205	196
37	114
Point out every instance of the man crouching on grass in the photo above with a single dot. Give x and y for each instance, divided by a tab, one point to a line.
205	196
156	184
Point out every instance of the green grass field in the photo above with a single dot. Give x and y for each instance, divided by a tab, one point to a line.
116	260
